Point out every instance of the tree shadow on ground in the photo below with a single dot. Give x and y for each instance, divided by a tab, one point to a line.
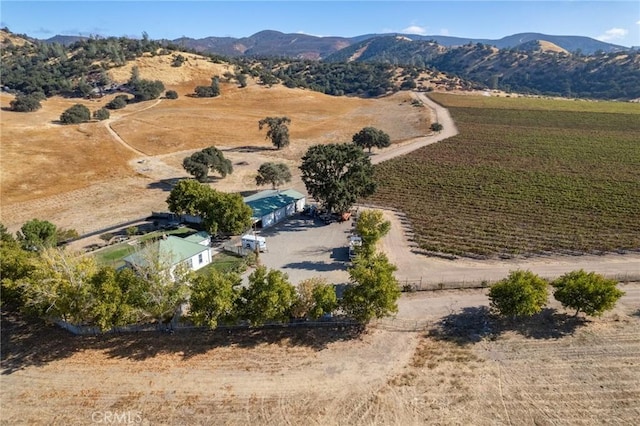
250	148
316	266
28	342
164	184
473	324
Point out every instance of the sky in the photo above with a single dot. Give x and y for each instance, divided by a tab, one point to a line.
616	22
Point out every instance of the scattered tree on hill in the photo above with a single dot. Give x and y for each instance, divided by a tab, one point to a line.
37	234
436	127
26	103
269	297
522	293
101	114
213	297
278	131
209	91
171	94
371	226
590	293
375	290
370	137
178	60
242	79
146	90
316	298
200	163
75	114
118	102
274	174
337	175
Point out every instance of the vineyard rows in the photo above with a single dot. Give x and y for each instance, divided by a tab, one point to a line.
522	181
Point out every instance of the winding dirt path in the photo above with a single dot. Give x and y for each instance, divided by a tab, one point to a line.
108	125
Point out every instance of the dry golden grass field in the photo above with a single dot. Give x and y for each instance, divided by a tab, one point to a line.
463	368
91	175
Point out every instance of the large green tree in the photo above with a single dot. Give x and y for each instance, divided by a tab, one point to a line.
220	211
26	103
209	159
522	293
213	297
269	297
590	293
78	113
146	90
337	175
278	131
274	174
36	234
370	137
374	291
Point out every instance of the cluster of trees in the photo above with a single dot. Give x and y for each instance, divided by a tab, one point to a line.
200	163
220	212
210	91
54	283
27	103
524	293
79	113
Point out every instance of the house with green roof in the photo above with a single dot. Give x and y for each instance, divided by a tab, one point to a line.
173	250
272	206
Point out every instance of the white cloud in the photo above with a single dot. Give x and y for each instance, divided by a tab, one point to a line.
638	23
414	29
613	34
444	32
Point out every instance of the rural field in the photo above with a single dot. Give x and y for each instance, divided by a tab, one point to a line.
83	176
524	176
443	363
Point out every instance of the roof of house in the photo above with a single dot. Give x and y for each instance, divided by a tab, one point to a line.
198	237
176	250
268	201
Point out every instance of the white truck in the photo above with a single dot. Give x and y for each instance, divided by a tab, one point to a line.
355	242
254	242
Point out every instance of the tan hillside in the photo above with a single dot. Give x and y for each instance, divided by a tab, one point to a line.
547	46
196	69
7	39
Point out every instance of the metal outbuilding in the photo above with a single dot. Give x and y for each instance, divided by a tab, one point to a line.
272	206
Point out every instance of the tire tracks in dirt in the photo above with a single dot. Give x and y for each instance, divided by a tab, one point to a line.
108	125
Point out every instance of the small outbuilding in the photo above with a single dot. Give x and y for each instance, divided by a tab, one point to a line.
174	251
272	206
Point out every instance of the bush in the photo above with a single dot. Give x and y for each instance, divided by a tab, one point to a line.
76	114
436	127
145	90
25	103
118	102
171	94
522	293
101	114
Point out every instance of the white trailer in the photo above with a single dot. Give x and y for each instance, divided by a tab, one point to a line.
252	242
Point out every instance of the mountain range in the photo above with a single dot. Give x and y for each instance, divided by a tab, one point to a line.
304	46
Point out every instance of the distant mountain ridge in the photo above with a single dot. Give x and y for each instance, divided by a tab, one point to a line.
304	46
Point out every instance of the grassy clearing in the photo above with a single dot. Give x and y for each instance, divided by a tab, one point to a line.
523	181
224	262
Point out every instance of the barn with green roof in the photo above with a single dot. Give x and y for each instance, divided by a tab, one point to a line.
272	206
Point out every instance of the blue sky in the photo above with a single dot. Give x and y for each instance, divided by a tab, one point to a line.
616	22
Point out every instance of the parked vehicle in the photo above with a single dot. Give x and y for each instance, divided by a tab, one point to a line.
253	242
355	242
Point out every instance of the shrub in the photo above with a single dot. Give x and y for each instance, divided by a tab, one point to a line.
101	114
25	103
171	94
118	102
76	114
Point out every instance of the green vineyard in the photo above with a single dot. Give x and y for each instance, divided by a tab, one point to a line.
523	177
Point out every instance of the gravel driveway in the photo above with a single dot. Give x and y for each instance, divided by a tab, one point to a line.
304	248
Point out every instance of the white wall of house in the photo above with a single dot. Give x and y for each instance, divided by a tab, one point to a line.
200	260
